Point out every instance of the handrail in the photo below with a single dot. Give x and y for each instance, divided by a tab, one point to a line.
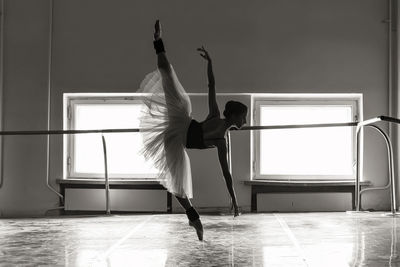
50	132
390	119
370	121
129	130
359	169
107	182
291	126
389	156
359	126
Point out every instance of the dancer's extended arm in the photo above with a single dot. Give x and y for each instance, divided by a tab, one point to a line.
222	156
212	99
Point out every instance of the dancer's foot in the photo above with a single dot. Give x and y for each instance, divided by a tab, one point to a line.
237	213
236	208
199	228
157	30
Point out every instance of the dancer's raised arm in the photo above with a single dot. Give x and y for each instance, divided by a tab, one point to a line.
212	99
162	61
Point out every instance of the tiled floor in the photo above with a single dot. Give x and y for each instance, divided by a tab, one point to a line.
280	239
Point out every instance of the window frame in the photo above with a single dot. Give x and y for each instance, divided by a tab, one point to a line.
71	101
352	100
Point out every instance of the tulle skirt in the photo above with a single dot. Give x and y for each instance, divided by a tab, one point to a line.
165	119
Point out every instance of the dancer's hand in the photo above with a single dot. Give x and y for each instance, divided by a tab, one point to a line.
157	30
206	56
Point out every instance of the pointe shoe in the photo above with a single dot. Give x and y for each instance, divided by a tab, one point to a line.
237	213
199	228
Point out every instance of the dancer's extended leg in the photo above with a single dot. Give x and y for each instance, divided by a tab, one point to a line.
193	216
172	96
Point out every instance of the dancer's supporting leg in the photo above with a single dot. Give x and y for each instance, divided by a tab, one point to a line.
193	216
172	157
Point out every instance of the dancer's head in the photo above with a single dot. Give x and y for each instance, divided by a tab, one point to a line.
235	112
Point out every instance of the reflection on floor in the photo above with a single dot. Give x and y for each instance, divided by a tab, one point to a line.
280	239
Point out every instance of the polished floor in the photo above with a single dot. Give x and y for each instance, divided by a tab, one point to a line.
279	239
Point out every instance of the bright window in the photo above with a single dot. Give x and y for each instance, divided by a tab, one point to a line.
84	157
305	153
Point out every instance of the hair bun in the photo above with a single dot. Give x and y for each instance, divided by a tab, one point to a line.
234	107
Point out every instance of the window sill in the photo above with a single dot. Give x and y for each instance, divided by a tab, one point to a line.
91	181
305	183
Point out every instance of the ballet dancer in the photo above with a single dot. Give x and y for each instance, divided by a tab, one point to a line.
168	129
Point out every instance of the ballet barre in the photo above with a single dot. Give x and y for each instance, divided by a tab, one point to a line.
133	130
55	132
359	170
359	160
294	126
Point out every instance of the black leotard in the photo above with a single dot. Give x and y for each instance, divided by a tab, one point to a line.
195	137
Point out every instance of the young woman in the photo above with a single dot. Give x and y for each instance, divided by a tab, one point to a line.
169	129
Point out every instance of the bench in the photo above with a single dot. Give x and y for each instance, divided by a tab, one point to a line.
114	184
273	186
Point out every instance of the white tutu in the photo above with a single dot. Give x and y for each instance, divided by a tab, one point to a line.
165	120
